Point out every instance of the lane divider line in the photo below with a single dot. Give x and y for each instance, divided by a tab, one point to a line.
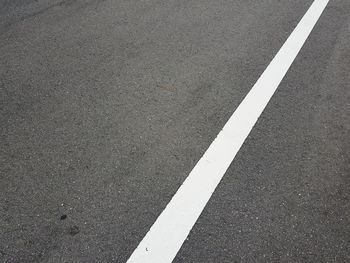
166	236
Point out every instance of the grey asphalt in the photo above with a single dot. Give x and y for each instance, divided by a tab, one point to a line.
106	106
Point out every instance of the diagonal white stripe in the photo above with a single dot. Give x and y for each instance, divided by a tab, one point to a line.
166	236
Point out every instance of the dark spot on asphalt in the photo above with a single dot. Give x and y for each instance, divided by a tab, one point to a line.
63	217
74	230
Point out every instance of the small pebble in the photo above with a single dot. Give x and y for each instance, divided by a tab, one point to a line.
74	230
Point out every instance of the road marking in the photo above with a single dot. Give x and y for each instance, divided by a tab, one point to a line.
166	236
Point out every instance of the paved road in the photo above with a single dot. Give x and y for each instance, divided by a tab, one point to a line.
107	105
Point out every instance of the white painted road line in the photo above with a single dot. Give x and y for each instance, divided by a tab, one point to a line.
166	236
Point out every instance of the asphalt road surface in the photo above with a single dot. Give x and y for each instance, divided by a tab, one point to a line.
107	106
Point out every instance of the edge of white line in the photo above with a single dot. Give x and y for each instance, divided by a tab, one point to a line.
167	234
